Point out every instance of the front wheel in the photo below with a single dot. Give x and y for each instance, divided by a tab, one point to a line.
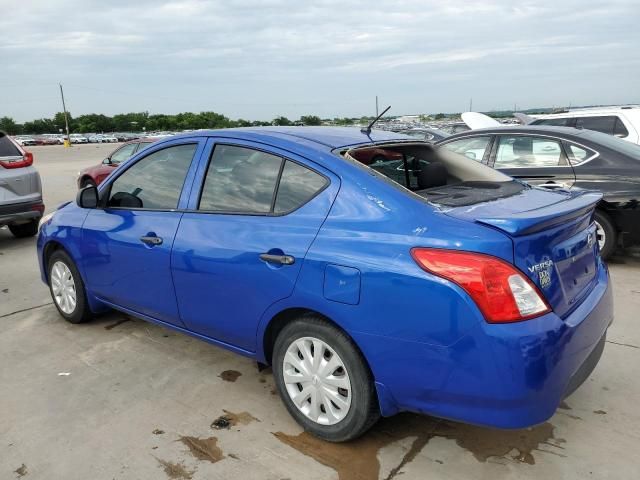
323	380
606	234
67	288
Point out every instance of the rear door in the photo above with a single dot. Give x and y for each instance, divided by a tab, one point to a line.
126	245
537	160
252	216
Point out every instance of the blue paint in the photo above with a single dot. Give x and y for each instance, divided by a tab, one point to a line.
427	344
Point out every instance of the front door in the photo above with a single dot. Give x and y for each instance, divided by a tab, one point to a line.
539	161
242	247
127	243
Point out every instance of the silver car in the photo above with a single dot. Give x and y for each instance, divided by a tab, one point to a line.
21	204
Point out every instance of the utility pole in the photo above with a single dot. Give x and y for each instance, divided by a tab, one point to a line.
376	105
66	120
471	104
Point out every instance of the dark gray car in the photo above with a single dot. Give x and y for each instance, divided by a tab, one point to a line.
21	204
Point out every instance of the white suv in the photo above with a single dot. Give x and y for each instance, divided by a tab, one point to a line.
622	122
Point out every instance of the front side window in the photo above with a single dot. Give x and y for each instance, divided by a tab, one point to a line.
472	147
123	153
154	182
520	151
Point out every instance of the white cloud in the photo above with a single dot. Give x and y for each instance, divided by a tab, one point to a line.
259	59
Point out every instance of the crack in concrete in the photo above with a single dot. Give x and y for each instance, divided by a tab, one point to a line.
25	310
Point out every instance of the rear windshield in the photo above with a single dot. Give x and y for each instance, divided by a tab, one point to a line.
439	176
7	148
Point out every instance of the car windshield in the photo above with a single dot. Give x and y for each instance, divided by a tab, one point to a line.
623	146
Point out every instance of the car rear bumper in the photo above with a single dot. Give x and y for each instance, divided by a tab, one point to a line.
506	376
21	212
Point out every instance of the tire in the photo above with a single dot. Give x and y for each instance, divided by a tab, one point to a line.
334	424
80	312
604	227
25	230
87	182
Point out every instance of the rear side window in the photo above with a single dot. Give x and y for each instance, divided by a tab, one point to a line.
240	180
243	180
578	155
297	186
155	182
7	148
520	151
472	147
605	124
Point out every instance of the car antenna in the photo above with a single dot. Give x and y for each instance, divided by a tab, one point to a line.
367	130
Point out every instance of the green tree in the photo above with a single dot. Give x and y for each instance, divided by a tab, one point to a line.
310	120
282	121
439	116
8	125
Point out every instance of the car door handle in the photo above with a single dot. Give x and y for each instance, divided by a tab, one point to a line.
279	259
151	240
553	185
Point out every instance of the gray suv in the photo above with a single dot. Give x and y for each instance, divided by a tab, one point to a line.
21	204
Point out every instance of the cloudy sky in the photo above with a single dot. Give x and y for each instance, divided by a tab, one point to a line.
257	59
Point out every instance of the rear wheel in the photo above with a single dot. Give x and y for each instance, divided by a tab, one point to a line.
323	380
606	234
25	230
67	288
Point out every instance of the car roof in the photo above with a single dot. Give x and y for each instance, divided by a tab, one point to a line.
539	129
327	137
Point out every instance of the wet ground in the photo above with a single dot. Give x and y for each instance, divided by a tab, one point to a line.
119	398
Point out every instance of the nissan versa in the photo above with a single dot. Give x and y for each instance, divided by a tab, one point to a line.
414	281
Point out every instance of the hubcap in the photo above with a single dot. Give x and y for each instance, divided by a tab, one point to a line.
600	235
63	287
317	381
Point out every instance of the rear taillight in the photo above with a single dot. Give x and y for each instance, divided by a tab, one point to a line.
503	294
18	162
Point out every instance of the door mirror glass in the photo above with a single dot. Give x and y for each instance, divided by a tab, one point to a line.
87	197
106	161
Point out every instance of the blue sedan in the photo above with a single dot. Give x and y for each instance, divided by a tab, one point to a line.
412	281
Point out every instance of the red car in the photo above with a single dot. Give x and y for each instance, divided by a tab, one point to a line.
95	175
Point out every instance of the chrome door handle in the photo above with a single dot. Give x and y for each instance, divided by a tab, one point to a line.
151	241
279	259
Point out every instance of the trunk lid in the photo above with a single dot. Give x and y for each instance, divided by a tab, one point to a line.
554	240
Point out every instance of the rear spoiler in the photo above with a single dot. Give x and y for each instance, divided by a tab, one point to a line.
532	221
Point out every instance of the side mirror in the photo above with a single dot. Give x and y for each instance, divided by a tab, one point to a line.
106	161
87	197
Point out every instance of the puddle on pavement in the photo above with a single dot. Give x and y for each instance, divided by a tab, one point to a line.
176	471
359	459
230	375
203	448
119	322
230	419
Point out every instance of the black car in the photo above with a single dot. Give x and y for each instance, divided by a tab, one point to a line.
431	135
565	158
